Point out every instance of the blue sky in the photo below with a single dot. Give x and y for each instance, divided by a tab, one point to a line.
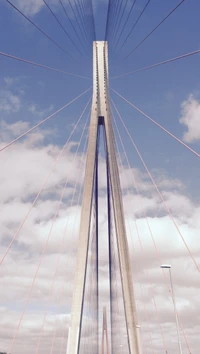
167	93
158	91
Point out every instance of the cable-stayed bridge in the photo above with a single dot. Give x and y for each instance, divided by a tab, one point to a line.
84	230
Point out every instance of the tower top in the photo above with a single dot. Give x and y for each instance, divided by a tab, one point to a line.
100	76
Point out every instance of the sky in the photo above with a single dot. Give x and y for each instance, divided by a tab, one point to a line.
170	94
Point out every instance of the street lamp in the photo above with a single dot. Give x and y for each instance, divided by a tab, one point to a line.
167	266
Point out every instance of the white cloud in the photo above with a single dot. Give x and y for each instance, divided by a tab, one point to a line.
13	81
16	83
9	102
37	111
30	7
24	166
11	94
14	129
9	81
190	117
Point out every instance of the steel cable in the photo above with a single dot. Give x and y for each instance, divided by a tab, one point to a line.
73	232
77	17
115	24
136	226
41	122
120	21
71	22
35	200
127	18
62	241
131	30
61	26
161	197
42	66
39	264
114	9
148	225
158	64
39	29
109	19
159	125
78	9
154	29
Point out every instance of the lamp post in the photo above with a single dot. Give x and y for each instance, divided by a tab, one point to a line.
167	266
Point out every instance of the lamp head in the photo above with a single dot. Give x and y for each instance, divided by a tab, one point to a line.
165	266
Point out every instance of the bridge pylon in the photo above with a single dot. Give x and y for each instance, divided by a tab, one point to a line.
101	116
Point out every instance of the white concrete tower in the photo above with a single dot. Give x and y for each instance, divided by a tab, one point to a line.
101	108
